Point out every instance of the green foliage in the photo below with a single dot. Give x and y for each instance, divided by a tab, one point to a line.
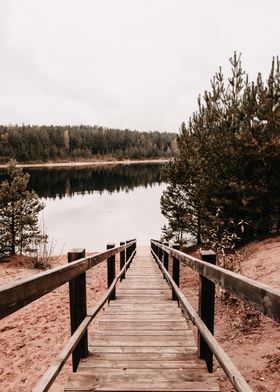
34	143
19	211
228	160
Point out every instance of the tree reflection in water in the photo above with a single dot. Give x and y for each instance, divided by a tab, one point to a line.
91	206
61	182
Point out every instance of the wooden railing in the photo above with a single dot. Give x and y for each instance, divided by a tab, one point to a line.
16	295
261	296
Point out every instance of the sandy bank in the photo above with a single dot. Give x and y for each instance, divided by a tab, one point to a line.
88	163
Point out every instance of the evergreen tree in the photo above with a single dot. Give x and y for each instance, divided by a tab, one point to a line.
19	211
228	159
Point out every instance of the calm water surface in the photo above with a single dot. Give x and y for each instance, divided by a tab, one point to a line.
90	207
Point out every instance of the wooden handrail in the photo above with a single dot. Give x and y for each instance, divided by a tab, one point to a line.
263	297
16	295
228	366
50	375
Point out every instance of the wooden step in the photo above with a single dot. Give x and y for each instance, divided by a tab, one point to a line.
86	382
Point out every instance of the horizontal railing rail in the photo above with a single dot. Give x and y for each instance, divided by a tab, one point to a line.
16	295
265	298
228	366
54	369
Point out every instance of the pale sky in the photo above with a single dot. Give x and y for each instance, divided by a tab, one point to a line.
137	64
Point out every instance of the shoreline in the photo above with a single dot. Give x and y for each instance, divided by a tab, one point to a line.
87	163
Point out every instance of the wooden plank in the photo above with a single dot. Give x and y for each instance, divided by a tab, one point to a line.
143	349
102	340
138	275
116	304
191	355
142	294
139	325
146	312
138	279
193	363
189	374
142	317
84	382
137	300
146	291
139	288
117	332
144	286
135	291
151	279
131	312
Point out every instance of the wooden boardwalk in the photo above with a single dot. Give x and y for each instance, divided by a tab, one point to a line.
143	342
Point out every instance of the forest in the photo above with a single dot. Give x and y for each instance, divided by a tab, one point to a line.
29	143
224	182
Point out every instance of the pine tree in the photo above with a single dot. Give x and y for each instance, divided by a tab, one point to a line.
228	159
19	209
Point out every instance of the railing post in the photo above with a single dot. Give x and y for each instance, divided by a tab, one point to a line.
78	308
160	252
175	271
153	247
128	253
134	246
111	272
206	308
165	257
157	249
122	260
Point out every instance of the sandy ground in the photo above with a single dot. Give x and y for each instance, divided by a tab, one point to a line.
32	337
88	163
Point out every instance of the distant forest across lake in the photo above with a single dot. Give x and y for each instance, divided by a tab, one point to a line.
29	143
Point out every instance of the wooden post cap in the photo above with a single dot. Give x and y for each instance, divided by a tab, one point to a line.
208	252
110	246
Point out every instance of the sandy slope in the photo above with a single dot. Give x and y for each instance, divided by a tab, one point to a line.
31	338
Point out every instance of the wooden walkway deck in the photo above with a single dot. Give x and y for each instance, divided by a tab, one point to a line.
143	342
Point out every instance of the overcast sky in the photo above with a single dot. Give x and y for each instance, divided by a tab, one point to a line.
137	64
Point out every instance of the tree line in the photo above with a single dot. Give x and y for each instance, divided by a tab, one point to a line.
29	143
224	182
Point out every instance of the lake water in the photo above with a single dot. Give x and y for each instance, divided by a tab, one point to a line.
90	207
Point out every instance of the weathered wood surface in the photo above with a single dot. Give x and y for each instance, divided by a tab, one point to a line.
78	307
263	297
206	309
142	341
